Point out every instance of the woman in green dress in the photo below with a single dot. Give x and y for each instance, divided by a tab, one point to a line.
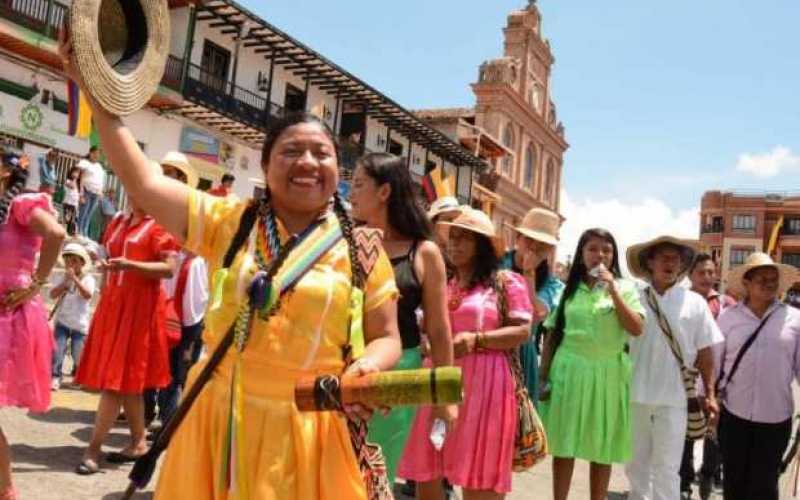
586	372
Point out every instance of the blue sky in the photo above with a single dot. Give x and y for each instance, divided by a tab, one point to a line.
659	99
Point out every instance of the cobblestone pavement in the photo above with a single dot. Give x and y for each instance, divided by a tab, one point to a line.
47	447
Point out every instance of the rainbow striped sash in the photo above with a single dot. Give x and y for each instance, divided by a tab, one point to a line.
312	245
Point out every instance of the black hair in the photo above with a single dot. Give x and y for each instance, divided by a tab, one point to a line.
279	127
405	213
15	163
92	149
359	277
485	262
228	178
699	258
578	273
687	254
542	274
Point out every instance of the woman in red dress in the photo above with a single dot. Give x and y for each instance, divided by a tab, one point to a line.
126	351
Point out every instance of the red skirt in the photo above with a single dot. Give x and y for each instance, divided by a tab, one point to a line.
126	350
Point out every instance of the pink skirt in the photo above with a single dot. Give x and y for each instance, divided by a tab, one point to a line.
26	351
478	452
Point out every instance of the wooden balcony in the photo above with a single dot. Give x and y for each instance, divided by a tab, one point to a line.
41	16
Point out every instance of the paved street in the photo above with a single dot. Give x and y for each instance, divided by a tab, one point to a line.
47	447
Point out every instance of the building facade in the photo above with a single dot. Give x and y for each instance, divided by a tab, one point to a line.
735	224
514	108
229	75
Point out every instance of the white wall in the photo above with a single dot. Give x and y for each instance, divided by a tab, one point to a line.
160	134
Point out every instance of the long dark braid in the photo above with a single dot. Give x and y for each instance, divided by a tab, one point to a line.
357	270
15	183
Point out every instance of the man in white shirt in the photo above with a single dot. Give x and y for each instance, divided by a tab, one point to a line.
658	394
93	180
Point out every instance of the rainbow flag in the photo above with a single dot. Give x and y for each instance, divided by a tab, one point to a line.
79	112
438	184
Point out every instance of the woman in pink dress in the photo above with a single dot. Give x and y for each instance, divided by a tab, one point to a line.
478	448
27	226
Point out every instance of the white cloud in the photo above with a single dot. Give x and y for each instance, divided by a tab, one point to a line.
768	164
629	223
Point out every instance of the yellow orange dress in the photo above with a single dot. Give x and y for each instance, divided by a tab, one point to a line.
289	455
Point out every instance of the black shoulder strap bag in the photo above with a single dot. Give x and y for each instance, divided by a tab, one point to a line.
742	351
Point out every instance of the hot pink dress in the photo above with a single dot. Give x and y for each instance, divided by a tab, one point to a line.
26	341
477	453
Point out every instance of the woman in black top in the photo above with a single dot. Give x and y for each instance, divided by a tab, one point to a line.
383	197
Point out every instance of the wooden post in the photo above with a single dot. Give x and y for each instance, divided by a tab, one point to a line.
48	26
189	45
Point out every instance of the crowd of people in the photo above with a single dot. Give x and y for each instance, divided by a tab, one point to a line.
621	371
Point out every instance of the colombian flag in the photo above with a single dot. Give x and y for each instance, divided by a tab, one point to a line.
438	184
80	115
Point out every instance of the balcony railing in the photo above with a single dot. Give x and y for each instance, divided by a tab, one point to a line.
223	96
172	73
42	16
228	99
713	228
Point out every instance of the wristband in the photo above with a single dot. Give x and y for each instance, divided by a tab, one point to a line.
480	340
38	282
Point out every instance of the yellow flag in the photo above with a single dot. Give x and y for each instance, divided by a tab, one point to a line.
773	240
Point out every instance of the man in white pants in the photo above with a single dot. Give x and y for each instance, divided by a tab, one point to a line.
658	394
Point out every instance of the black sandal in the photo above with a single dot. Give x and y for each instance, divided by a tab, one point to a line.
87	468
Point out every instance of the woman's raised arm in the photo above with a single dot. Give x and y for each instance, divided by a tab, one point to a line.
163	198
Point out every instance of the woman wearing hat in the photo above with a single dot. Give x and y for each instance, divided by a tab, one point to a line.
72	295
537	236
585	374
382	196
126	350
760	359
477	452
28	226
280	452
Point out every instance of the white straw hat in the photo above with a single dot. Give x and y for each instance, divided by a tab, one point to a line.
477	221
180	161
78	250
540	224
637	255
788	275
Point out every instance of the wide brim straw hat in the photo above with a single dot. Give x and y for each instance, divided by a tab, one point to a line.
477	221
180	162
637	255
734	279
80	251
540	224
442	206
120	49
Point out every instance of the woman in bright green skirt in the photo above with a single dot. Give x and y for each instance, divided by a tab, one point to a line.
585	393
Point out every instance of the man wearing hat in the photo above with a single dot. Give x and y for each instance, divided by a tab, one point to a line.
537	237
73	296
678	335
758	362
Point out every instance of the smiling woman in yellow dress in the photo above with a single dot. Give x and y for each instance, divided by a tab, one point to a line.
280	453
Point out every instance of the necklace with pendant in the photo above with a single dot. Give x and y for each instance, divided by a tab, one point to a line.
455	295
